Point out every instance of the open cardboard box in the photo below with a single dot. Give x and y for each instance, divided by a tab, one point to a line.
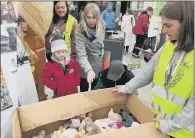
28	120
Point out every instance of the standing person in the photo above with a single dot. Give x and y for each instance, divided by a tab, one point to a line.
140	29
80	14
90	46
108	16
63	23
171	70
73	12
128	23
61	74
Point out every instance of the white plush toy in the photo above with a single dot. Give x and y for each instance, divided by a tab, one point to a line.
69	133
54	135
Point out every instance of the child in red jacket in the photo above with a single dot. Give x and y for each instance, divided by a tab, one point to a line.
61	74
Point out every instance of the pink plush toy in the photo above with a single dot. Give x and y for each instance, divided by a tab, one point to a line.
119	124
114	116
76	123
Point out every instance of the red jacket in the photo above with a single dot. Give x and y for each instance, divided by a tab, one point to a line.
63	84
141	25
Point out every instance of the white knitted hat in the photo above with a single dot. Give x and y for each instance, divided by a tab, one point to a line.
57	45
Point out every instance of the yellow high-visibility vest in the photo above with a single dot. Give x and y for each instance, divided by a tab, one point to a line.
169	100
68	31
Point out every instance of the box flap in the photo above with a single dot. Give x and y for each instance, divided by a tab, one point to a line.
143	131
38	114
105	97
16	125
42	113
142	113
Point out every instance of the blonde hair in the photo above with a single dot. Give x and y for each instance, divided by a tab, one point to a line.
100	27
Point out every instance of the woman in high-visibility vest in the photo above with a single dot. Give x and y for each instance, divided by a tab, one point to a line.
172	72
64	24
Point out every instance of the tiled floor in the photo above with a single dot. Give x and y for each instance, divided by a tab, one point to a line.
144	93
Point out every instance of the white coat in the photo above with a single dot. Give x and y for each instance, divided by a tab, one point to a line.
126	27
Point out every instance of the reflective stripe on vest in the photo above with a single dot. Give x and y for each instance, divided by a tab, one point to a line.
67	33
172	97
169	102
157	108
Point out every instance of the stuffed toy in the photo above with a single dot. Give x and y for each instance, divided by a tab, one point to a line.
101	125
135	124
127	119
76	121
69	133
54	135
114	126
80	134
67	124
114	116
119	124
108	121
89	127
42	134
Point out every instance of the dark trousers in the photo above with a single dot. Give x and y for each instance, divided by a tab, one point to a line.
84	85
152	41
139	43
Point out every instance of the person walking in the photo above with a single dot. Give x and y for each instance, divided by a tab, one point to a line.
128	22
140	29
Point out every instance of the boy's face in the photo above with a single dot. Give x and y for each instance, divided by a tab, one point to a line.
60	54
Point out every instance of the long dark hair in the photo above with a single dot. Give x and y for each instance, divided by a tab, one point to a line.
55	16
184	13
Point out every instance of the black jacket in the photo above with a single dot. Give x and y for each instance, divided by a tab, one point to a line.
103	82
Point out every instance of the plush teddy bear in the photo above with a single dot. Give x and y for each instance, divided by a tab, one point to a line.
80	134
101	125
89	127
114	116
42	134
76	121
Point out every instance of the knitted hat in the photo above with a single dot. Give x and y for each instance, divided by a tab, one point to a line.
115	70
57	45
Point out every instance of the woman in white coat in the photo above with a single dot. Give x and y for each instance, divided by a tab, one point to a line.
128	21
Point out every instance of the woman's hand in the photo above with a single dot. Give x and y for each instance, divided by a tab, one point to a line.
117	90
90	76
157	120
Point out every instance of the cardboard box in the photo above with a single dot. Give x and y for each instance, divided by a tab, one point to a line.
34	42
38	73
50	114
